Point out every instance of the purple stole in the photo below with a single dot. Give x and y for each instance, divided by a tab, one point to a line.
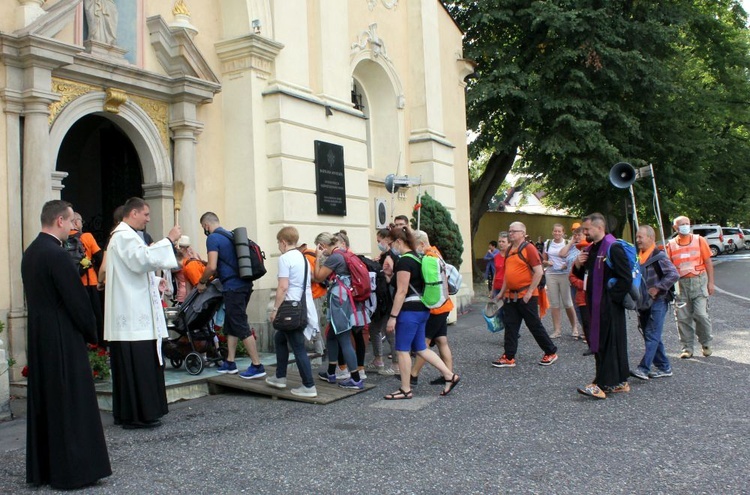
598	288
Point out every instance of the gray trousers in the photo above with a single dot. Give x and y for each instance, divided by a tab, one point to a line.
691	307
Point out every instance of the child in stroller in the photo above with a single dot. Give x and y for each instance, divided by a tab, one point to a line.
192	331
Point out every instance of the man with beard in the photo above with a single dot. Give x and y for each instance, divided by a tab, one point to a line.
65	444
606	289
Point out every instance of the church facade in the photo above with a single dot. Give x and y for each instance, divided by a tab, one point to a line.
269	112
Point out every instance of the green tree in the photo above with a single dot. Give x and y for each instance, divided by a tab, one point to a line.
443	232
568	88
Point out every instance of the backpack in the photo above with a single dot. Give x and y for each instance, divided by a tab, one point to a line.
318	289
250	258
359	275
435	281
455	279
373	304
543	280
634	299
75	249
669	296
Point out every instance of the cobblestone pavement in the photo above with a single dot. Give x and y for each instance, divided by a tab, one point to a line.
520	430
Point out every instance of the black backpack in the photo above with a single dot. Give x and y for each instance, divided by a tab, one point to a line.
75	249
250	258
543	281
384	299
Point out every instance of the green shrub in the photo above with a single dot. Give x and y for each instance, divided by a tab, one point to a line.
443	232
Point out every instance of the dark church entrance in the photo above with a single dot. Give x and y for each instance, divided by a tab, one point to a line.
103	172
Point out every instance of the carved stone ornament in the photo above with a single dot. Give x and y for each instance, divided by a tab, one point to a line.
180	8
158	112
114	99
370	39
392	4
68	91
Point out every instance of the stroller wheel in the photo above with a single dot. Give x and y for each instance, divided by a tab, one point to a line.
194	363
176	363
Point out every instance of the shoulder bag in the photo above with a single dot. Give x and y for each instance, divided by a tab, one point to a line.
292	315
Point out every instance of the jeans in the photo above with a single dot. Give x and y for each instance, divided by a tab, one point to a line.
651	322
516	311
344	341
295	340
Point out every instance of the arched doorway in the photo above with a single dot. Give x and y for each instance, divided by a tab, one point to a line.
103	171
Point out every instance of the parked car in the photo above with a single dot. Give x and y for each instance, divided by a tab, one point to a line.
747	238
713	235
734	239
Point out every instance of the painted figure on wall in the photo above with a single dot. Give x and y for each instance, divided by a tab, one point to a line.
101	18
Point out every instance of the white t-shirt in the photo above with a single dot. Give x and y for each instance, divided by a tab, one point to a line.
553	252
292	266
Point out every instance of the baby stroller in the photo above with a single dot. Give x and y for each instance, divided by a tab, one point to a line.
191	330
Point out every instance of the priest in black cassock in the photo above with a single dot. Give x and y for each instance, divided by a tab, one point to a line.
65	444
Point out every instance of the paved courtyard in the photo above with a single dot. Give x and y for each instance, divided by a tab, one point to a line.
520	430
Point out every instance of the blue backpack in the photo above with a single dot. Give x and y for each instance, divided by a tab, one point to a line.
635	298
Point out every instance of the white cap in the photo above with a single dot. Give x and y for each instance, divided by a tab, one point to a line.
184	241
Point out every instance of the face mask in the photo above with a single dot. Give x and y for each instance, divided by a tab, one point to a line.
206	232
395	251
383	247
683	229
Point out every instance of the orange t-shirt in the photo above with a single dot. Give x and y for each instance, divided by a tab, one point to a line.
705	255
90	248
518	275
447	307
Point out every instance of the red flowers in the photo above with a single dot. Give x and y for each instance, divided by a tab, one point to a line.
25	371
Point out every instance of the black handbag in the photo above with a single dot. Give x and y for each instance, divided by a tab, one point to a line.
292	315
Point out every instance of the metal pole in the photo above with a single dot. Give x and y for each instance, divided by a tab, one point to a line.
635	213
658	208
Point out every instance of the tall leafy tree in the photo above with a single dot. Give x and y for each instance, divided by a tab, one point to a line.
565	89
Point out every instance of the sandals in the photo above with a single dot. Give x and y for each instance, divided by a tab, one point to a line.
400	395
451	384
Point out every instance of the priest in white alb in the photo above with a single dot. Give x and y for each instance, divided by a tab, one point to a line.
134	322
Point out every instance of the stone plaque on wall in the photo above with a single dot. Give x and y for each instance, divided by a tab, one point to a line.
329	177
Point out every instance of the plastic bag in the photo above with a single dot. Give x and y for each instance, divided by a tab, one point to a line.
493	316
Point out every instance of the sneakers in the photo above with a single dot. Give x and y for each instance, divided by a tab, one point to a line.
639	373
228	368
592	390
360	385
303	391
707	351
326	377
685	354
386	371
276	382
342	374
362	374
548	359
660	374
618	389
253	371
373	366
504	362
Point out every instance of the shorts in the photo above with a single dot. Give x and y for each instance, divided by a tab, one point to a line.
437	326
410	327
235	307
558	291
